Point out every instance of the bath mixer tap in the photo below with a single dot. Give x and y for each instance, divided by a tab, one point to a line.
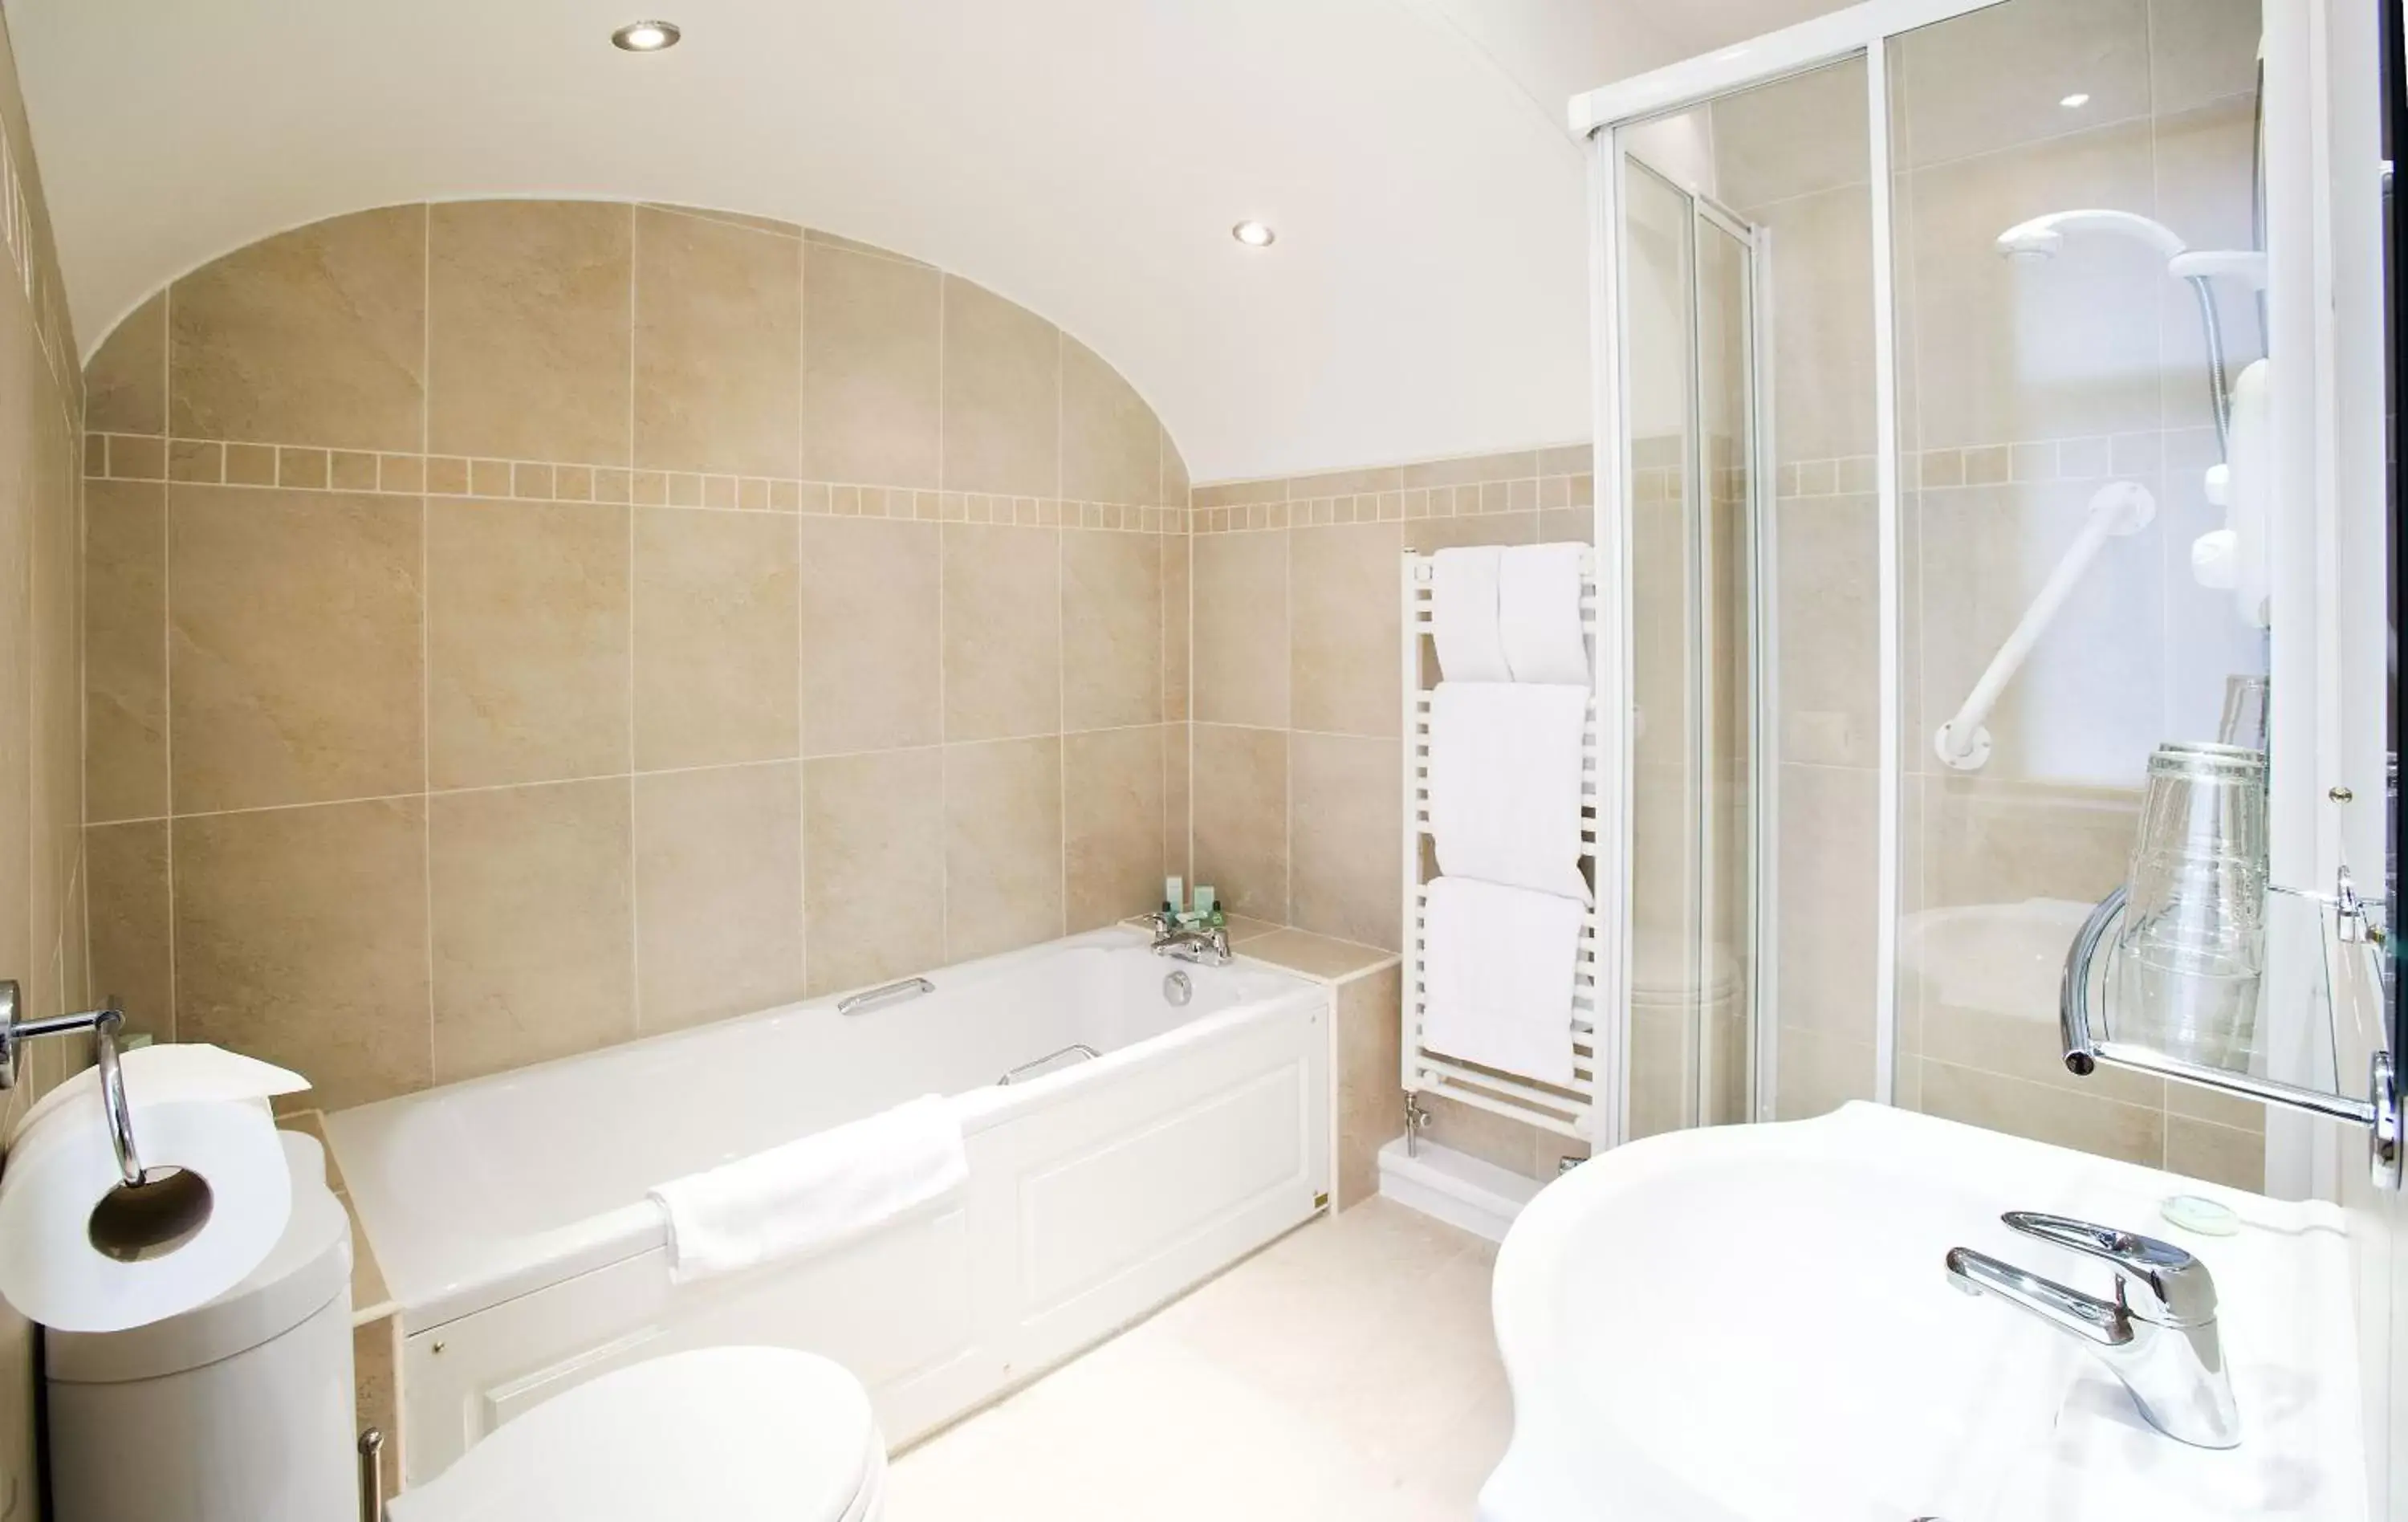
1205	944
2157	1336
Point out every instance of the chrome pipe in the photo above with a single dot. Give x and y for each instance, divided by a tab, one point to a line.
2074	992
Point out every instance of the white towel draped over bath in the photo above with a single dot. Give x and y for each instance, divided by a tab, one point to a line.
1464	615
814	1193
1505	783
1539	612
1498	967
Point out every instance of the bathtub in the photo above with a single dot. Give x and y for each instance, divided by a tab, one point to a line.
510	1219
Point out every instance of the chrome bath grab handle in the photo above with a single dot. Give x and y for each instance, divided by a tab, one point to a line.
885	992
1080	1049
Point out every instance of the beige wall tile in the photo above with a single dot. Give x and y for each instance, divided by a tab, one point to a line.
1003	846
871	367
1828	646
1492	1138
1003	395
126	649
1347	837
533	923
1177	615
1994	78
2218	1154
129	930
874	835
1111	629
1827	870
1822	322
1342	656
2201	51
1818	1074
1175	484
719	893
126	385
2008	352
526	641
872	661
1112	446
1370	1105
1790	138
1178	797
1003	632
295	644
1428	536
313	336
2134	1133
718	338
1240	660
1241	818
1112	800
301	940
528	338
714	636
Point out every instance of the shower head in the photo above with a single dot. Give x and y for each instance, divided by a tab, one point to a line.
2040	239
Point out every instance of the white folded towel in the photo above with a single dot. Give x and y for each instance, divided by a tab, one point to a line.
1505	783
1498	967
814	1193
1464	615
1539	612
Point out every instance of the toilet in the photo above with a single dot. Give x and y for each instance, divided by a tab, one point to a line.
735	1434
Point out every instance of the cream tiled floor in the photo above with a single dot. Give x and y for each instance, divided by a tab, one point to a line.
1346	1372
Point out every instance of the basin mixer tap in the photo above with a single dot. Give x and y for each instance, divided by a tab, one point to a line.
1206	944
2157	1335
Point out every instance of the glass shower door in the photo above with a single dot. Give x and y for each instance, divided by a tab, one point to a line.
1689	317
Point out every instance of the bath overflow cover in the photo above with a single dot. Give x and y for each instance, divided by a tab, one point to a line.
1177	990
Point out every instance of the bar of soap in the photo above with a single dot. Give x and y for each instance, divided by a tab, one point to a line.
2205	1217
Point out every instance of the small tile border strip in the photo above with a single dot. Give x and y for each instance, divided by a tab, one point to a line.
211	462
1529	493
2088	457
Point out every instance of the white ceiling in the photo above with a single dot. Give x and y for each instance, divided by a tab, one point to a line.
1082	157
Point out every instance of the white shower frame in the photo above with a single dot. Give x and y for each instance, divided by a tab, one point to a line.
2310	156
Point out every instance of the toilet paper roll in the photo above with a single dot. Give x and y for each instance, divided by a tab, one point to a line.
189	1110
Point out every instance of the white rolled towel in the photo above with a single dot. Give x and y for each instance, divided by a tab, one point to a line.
1539	613
1464	615
814	1193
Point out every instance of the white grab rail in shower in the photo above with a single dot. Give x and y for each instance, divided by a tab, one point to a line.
2117	509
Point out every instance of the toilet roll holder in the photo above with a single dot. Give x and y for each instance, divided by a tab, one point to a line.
104	1023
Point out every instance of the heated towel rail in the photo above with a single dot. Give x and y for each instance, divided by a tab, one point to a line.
1566	1111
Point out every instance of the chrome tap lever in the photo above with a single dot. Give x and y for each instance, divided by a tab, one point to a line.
2158	1335
2156	1281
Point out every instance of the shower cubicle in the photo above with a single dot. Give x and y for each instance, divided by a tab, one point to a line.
1954	453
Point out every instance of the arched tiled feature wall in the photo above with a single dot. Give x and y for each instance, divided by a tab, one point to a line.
533	624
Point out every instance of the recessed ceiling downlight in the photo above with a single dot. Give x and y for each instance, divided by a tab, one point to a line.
646	36
1254	234
2076	101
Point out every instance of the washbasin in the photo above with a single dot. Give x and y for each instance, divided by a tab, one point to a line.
1752	1324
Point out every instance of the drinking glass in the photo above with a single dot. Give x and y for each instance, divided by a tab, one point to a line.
2193	941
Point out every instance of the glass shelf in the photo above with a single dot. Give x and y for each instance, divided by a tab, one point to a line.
2326	968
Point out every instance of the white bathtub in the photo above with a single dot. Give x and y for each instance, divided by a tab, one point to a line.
509	1213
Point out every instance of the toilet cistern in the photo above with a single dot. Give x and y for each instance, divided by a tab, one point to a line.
2157	1335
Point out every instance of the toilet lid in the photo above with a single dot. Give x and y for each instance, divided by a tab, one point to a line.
735	1434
